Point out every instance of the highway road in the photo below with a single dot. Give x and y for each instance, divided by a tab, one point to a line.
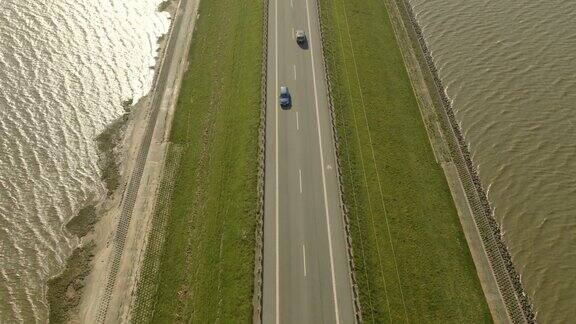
306	272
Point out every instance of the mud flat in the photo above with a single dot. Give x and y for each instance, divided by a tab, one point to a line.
65	290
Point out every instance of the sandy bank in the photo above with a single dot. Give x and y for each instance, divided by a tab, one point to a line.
65	290
76	295
123	230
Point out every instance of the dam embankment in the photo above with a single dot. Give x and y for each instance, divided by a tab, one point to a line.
507	277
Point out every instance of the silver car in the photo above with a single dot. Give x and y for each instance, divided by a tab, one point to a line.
285	100
300	37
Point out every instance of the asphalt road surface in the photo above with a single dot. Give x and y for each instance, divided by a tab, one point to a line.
306	272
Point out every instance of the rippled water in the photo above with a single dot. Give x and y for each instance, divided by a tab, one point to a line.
509	67
65	68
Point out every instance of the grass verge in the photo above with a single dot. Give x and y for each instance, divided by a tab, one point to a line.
203	270
412	260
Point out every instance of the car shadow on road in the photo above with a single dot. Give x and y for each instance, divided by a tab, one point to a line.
303	45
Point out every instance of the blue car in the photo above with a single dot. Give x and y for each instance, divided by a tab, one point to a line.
285	100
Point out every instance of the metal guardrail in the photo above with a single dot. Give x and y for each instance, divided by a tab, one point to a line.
349	246
259	233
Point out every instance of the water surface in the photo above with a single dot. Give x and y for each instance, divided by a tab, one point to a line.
509	68
65	68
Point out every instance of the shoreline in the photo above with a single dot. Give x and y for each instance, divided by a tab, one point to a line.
474	194
124	230
66	288
95	223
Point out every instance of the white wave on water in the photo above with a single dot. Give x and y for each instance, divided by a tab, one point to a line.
509	69
65	68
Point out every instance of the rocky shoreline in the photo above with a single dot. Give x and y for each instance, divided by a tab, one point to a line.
467	159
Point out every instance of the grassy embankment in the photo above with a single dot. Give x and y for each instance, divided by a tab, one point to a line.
412	260
200	261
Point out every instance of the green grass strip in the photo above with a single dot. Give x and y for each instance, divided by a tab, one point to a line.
412	260
205	272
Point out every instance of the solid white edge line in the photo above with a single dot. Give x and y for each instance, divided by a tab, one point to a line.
304	257
323	172
300	178
276	161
